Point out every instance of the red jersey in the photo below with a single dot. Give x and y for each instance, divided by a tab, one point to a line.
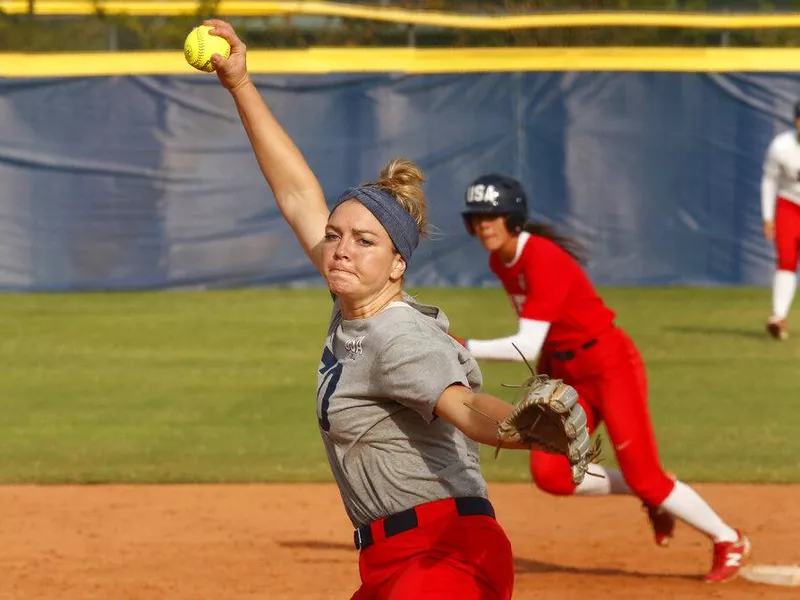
544	283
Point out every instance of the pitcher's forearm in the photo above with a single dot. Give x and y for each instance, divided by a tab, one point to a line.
485	412
476	415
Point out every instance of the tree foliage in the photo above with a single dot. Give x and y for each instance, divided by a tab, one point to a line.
24	33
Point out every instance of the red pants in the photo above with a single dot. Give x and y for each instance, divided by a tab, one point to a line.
611	381
787	234
445	556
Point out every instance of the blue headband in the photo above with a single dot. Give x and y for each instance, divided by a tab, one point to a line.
401	226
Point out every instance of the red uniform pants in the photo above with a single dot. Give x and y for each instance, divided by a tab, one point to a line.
445	556
787	234
610	378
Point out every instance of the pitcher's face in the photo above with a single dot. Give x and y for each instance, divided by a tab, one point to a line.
359	259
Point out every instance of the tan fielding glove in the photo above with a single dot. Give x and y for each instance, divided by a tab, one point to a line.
549	418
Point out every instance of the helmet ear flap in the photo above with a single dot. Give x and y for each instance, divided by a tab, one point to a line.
515	222
468	224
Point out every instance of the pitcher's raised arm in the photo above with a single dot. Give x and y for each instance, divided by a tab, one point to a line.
296	189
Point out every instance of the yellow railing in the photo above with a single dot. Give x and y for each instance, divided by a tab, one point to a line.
409	17
414	61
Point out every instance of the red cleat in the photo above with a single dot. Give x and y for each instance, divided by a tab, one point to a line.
728	557
777	329
663	524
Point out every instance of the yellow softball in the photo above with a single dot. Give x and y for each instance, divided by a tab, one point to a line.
200	47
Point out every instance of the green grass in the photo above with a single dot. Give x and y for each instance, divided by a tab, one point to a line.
219	386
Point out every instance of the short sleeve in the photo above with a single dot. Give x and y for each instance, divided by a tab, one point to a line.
416	369
549	272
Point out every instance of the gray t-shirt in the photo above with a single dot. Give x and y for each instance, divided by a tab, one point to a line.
379	380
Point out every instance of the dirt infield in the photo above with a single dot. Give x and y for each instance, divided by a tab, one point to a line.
293	542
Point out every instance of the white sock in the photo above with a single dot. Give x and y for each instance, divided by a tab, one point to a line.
600	481
783	287
686	504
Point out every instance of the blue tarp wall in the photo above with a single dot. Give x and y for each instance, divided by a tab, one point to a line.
149	182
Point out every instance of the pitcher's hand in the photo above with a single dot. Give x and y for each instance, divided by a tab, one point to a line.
232	72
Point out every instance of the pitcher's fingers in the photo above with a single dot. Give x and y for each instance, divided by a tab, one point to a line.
218	61
226	32
215	22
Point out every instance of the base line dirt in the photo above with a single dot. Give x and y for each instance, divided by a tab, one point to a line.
294	542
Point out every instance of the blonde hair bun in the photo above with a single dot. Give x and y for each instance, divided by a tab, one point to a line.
403	180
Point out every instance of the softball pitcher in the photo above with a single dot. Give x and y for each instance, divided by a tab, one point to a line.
780	210
398	401
564	322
